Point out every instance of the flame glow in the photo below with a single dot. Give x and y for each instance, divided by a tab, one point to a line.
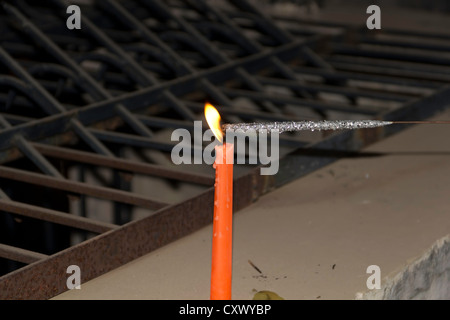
213	118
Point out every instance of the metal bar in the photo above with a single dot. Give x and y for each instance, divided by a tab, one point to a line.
397	71
44	99
90	139
80	188
160	122
264	21
244	42
393	54
426	70
341	75
19	101
133	121
316	60
301	102
362	30
20	255
4	123
58	217
32	154
179	106
416	33
14	120
121	164
3	195
308	22
132	140
347	92
15	83
406	44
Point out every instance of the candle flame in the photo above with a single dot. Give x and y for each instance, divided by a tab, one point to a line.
213	118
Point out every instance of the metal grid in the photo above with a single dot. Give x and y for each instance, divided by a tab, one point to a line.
86	117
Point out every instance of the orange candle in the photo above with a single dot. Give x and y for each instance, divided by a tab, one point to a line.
223	211
221	266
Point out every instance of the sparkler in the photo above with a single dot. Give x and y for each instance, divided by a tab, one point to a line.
319	125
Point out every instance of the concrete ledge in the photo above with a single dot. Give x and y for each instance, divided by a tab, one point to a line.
428	277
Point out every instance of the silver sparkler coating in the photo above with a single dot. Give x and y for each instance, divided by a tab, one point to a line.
307	125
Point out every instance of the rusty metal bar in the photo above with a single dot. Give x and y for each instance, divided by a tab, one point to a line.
54	216
90	139
422	56
80	188
42	163
20	255
383	79
4	123
46	101
348	92
122	164
396	69
3	195
264	21
317	105
133	121
15	119
132	140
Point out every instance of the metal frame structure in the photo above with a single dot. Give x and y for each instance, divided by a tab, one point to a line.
75	103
